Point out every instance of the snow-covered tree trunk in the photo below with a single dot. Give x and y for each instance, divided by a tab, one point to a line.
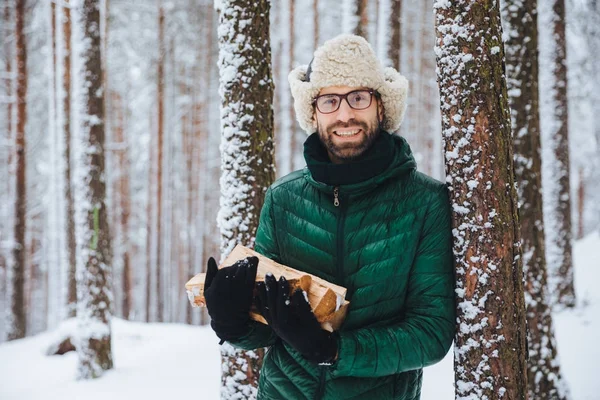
490	343
247	155
555	141
521	44
93	241
16	324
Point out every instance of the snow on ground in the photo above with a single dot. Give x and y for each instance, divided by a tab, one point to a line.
172	361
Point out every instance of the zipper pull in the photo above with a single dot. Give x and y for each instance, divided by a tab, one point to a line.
336	196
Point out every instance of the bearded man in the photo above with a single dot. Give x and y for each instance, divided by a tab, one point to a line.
360	216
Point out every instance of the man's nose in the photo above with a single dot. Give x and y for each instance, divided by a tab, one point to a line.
345	112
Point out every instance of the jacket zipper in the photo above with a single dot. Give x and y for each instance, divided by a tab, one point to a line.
340	234
339	267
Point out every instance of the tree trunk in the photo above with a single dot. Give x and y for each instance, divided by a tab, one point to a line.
581	204
520	17
316	38
247	152
396	29
159	158
555	131
362	16
66	129
93	239
123	206
490	344
16	272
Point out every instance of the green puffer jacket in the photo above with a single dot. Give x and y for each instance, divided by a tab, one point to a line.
388	241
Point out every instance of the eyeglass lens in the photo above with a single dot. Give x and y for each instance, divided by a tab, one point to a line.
358	100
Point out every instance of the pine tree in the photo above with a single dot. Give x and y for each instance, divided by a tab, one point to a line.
16	271
555	138
246	90
93	240
520	23
65	112
490	344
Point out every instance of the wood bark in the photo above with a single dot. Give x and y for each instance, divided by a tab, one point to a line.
247	151
490	343
544	376
17	316
94	242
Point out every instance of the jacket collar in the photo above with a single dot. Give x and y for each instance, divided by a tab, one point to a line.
389	156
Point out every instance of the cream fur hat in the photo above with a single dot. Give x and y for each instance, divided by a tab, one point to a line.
348	60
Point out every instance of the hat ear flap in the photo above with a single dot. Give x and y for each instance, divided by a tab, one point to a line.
303	93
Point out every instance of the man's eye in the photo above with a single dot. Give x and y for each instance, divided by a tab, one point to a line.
330	101
359	97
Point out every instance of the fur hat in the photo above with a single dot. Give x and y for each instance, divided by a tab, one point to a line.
347	60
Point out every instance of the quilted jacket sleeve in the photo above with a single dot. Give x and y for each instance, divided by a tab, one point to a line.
262	335
425	335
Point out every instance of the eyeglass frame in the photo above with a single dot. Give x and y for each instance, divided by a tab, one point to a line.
372	93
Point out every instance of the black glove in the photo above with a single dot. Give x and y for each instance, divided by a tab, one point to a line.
229	293
293	321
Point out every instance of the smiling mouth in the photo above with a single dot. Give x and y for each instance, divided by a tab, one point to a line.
347	133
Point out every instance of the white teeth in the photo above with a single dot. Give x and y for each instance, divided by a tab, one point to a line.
347	133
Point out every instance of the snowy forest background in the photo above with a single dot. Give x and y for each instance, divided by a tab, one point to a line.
163	130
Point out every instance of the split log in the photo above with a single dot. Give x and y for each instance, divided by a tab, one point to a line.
327	300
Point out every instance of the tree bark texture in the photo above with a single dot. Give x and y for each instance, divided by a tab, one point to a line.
490	343
520	17
16	272
247	154
93	236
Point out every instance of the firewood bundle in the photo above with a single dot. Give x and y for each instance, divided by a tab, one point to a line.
326	299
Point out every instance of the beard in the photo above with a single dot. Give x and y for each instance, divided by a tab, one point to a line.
351	150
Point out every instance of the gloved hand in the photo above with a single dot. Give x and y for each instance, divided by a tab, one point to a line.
229	293
293	321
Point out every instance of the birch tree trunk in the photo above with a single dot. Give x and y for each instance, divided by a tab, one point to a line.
490	344
555	135
16	272
247	157
93	240
520	18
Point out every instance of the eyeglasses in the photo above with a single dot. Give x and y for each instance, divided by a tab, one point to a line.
357	100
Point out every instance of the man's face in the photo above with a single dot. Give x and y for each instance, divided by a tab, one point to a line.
347	133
